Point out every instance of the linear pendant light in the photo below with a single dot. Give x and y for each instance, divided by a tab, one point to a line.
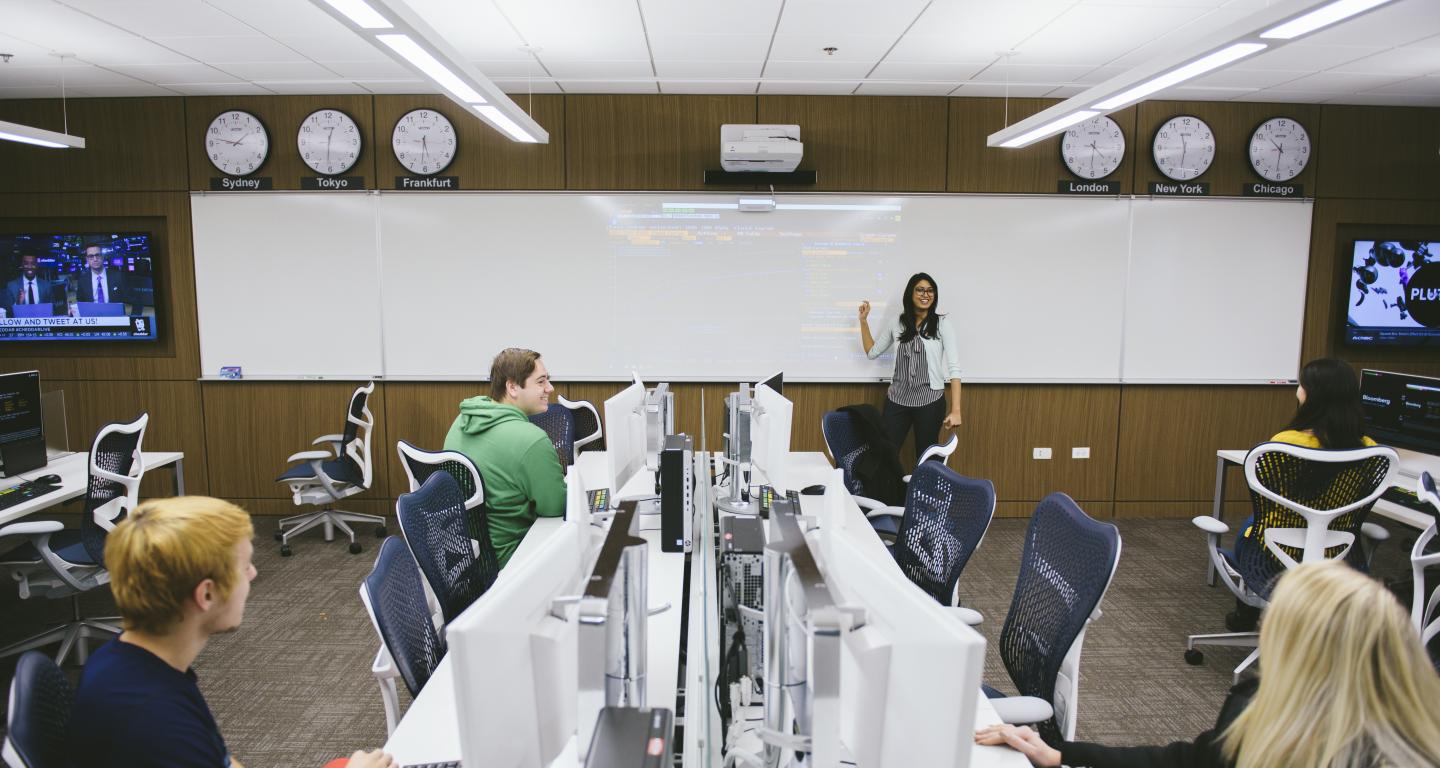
40	137
1276	25
393	27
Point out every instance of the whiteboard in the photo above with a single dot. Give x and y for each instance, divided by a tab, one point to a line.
684	286
1217	290
286	284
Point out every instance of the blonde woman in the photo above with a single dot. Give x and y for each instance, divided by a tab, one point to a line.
1346	684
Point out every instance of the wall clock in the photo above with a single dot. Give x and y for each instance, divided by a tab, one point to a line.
424	141
329	141
1279	149
237	143
1093	149
1184	147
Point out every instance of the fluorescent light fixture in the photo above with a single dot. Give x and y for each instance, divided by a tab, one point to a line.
498	120
360	13
1194	69
433	69
1279	22
39	136
395	28
1049	128
1320	17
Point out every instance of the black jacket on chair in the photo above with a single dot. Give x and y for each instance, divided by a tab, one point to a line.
1203	752
878	471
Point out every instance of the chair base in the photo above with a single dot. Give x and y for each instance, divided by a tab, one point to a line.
330	519
72	635
1228	640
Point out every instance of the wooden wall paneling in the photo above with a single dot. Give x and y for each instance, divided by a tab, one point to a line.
484	158
365	504
176	353
421	413
131	145
648	142
251	427
812	401
1379	152
1005	422
1100	510
1232	123
1335	225
1169	435
867	143
281	116
1036	169
1234	511
176	423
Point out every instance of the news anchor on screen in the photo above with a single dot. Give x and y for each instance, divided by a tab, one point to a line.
98	283
29	294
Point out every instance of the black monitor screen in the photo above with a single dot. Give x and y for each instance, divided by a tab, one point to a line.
20	407
1394	296
1402	410
77	287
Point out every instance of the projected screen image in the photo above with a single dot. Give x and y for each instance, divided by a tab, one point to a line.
1401	410
1394	296
76	287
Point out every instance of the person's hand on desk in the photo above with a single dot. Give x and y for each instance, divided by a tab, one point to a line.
1022	739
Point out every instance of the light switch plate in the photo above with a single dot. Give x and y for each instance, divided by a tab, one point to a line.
1042	453
1080	452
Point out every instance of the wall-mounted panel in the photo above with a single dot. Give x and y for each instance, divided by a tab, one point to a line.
1232	124
484	157
131	145
647	142
1386	153
874	143
1038	168
282	117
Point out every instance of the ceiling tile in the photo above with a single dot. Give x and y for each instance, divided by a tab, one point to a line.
1092	34
1410	60
974	30
579	30
127	91
1398	23
708	86
1284	96
1020	73
1415	86
519	89
1302	56
219	89
516	69
1389	99
1339	82
817	70
222	50
698	70
162	18
56	27
598	70
368	70
1247	78
890	69
837	17
478	30
602	86
280	17
861	48
710	47
177	73
666	18
1066	91
396	86
999	89
885	88
116	51
345	47
285	70
307	87
25	52
804	88
1198	93
28	91
1212	19
76	75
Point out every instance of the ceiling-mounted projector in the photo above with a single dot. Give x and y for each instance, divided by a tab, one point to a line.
768	148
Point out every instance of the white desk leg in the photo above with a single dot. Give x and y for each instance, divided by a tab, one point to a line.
1215	512
179	468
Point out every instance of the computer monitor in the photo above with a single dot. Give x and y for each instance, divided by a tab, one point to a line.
770	417
613	627
22	429
577	501
514	657
625	440
1402	410
776	382
659	422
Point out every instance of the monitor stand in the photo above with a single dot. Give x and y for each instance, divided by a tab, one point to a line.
22	456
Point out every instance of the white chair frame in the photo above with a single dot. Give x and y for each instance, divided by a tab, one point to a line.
1423	608
576	405
323	490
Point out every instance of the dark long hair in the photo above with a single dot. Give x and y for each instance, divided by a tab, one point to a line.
1332	409
931	325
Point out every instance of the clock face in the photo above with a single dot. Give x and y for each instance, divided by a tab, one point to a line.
1279	149
237	143
424	141
1184	147
329	141
1093	149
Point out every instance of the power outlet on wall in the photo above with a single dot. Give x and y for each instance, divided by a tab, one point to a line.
1042	453
1080	452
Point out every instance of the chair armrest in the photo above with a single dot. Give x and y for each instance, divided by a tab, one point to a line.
310	456
1209	524
1019	710
1374	532
32	527
383	666
327	439
906	479
885	512
970	616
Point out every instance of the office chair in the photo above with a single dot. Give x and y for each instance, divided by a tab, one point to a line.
419	464
570	425
1309	504
946	516
1423	608
57	563
852	453
1065	570
394	598
433	520
326	477
39	714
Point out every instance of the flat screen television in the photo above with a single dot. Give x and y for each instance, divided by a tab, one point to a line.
77	286
1394	295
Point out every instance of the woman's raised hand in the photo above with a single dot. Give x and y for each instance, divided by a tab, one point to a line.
864	311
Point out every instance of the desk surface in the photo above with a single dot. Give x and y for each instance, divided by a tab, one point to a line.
1412	463
74	472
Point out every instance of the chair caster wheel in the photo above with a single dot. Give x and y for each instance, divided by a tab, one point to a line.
354	547
380	531
279	535
1194	658
285	550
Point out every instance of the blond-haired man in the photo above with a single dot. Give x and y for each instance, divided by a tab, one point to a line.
180	571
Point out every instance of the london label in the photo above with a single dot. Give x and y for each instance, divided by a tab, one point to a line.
1070	187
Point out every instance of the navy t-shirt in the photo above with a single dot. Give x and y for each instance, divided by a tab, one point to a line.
133	710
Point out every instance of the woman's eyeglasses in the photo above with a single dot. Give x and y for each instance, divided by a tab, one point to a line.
926	291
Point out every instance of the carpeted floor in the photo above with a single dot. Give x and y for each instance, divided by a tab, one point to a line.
293	686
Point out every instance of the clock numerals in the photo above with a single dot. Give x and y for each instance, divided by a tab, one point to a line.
237	143
329	142
1183	148
1093	149
424	142
1279	149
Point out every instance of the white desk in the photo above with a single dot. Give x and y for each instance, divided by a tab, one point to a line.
1412	463
74	472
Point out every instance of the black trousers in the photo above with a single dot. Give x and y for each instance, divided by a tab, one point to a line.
925	420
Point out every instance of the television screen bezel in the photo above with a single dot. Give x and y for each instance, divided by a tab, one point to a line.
154	231
1346	238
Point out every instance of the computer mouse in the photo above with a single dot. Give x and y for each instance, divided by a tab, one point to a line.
813	490
48	479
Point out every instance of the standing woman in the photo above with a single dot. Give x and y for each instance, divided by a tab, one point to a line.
927	358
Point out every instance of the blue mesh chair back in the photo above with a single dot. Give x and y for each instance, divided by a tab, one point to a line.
397	599
1065	568
946	516
113	452
842	438
433	519
1319	485
559	425
466	476
40	701
352	429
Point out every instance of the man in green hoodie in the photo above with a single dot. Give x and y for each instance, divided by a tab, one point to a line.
520	469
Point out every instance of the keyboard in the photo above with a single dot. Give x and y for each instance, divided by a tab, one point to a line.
450	764
599	500
19	494
1406	497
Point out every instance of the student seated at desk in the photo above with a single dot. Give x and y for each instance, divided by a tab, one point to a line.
517	462
1346	684
180	570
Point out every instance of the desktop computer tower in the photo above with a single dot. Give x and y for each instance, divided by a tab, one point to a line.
742	591
677	485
